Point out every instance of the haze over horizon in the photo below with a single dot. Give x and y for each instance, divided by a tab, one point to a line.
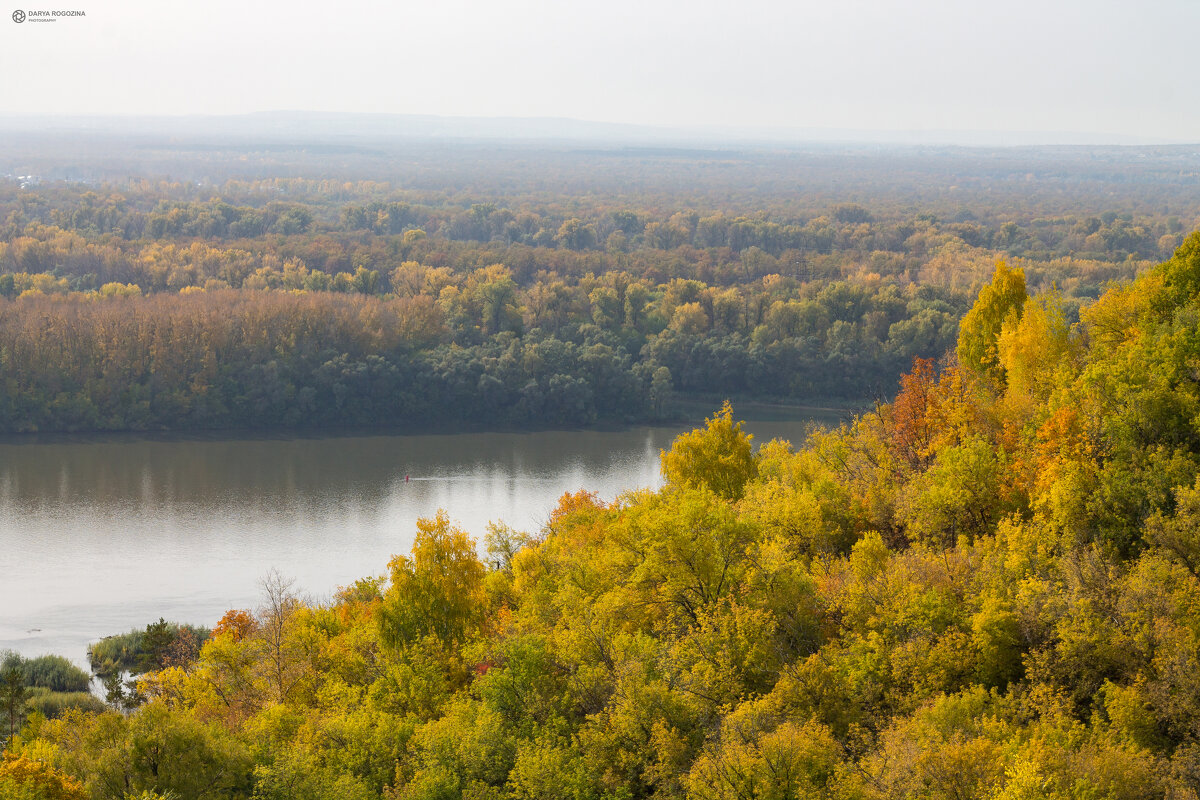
305	125
931	70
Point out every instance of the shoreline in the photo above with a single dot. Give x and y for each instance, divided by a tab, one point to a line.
689	410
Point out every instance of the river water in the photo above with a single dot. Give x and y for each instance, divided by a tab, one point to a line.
102	534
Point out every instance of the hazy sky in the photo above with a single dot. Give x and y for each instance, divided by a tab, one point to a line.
1031	65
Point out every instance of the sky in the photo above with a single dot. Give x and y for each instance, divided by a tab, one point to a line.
1096	66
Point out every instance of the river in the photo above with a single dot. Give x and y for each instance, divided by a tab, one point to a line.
100	534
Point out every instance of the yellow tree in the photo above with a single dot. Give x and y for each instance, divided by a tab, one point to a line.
979	330
719	457
1033	348
437	591
24	777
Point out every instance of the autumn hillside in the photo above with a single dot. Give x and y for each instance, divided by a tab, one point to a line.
986	589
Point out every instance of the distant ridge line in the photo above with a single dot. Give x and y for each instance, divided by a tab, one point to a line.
299	124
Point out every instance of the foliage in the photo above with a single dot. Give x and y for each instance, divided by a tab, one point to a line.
13	693
141	650
987	589
52	704
719	458
23	778
48	672
290	303
438	592
998	304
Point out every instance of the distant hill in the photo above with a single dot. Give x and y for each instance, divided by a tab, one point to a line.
337	125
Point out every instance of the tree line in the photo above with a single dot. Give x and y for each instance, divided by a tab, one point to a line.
443	347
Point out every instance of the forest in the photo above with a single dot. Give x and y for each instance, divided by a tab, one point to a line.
986	588
513	286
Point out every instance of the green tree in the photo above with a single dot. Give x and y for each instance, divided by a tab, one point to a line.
574	234
115	692
660	390
156	642
959	495
157	749
12	699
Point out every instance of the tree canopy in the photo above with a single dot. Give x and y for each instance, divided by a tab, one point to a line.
984	589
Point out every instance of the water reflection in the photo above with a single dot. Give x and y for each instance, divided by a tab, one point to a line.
98	535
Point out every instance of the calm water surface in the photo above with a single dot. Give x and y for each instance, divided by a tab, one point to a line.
102	534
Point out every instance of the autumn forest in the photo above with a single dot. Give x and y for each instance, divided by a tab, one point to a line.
987	585
221	301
